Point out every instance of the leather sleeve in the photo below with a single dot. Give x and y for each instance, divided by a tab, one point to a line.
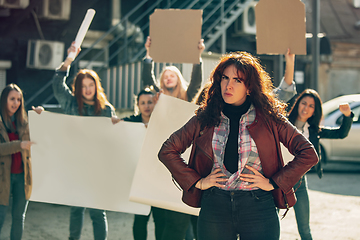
302	149
170	155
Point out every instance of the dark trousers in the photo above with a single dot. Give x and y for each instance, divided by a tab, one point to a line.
141	222
225	215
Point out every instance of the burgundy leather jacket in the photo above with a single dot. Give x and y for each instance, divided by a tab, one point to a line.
267	135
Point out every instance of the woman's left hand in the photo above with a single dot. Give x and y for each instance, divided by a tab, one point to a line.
201	46
257	180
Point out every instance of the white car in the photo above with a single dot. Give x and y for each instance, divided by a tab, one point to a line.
347	149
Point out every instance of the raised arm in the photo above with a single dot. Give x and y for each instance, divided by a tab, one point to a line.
342	131
62	92
287	89
289	68
196	74
147	74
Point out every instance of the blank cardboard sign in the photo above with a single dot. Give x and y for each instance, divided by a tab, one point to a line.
280	24
175	35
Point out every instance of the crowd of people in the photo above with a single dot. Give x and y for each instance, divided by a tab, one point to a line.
235	175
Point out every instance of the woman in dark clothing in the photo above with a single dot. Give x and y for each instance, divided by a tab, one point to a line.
234	171
306	115
145	103
172	83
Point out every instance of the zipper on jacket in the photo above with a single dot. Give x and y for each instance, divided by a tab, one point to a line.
204	153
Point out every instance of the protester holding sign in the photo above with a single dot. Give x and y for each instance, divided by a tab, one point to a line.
86	99
234	164
15	159
171	81
145	103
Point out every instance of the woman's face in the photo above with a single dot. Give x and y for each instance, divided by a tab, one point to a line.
146	104
233	89
88	88
306	108
13	102
170	79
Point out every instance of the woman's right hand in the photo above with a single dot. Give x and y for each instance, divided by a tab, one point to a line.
147	47
73	48
26	145
68	61
214	179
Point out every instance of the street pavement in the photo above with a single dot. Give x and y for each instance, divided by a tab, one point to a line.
334	203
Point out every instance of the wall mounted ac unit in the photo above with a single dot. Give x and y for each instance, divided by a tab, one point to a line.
43	54
14	3
245	24
58	10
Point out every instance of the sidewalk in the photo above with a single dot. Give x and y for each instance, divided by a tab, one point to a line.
333	216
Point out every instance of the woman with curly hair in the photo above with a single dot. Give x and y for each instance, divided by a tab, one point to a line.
234	168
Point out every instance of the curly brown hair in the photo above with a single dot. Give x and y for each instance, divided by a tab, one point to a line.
257	81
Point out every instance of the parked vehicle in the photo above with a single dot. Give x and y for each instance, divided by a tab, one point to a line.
347	149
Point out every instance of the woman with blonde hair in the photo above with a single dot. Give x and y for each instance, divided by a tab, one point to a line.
86	99
15	160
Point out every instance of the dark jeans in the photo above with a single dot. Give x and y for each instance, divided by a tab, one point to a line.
18	208
141	222
251	215
98	218
302	209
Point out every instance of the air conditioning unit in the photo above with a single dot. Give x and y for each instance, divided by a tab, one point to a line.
245	24
57	10
43	54
14	3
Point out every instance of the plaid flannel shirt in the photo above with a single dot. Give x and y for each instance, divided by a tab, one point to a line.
248	154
